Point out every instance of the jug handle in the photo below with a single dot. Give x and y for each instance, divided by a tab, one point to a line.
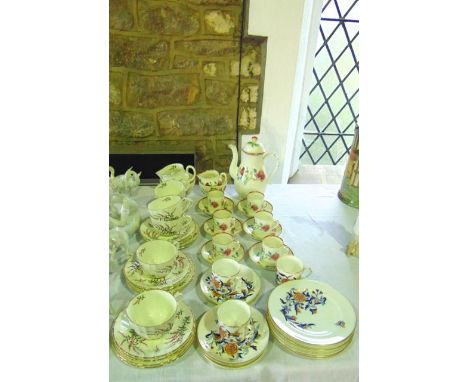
194	172
274	155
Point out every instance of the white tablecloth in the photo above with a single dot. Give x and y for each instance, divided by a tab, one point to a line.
317	227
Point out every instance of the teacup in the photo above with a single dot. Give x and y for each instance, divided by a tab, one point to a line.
224	244
169	227
290	268
215	200
157	257
225	272
234	316
170	207
152	313
169	187
274	247
212	180
223	221
255	200
264	221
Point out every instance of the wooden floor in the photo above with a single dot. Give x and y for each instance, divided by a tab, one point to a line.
318	174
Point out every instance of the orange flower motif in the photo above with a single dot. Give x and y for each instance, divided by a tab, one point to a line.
231	349
275	256
299	297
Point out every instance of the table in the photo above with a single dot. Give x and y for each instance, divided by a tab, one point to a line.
317	227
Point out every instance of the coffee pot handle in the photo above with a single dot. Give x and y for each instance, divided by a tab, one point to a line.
274	155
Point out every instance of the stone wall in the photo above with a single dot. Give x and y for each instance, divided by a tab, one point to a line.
174	78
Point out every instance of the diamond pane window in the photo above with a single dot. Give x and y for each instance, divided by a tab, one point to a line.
333	107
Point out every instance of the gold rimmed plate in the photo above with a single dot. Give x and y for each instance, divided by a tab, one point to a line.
208	253
258	256
248	212
257	234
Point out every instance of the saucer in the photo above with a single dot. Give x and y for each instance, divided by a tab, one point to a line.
185	238
248	291
208	227
203	205
259	234
226	350
246	211
257	255
180	276
141	352
207	254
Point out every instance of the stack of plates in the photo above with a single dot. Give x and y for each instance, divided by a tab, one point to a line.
310	318
186	237
180	276
140	352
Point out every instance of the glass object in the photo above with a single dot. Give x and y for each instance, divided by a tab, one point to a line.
349	191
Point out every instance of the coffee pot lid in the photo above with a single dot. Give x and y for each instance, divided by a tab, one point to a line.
253	147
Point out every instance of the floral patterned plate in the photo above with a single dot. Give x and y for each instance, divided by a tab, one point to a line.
204	205
180	275
217	292
138	351
186	237
311	312
257	255
228	350
208	226
246	211
259	234
207	253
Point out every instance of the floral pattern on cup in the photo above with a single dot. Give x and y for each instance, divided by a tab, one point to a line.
220	290
234	347
297	302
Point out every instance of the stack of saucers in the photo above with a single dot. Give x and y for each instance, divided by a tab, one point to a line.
142	338
310	318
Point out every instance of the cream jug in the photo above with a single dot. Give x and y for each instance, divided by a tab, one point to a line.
250	175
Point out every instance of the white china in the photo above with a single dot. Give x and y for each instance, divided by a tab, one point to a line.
311	312
223	221
251	174
247	288
157	257
290	268
138	351
206	208
267	260
250	228
209	254
169	187
180	275
123	213
169	207
215	200
246	211
224	244
212	180
225	348
176	171
234	317
125	184
209	227
185	237
151	313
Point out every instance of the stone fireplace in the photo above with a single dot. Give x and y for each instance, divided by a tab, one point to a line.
185	78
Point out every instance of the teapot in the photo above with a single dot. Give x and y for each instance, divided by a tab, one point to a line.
126	184
176	171
250	175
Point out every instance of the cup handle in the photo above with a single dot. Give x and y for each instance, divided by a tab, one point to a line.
274	155
307	272
194	172
188	203
224	177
